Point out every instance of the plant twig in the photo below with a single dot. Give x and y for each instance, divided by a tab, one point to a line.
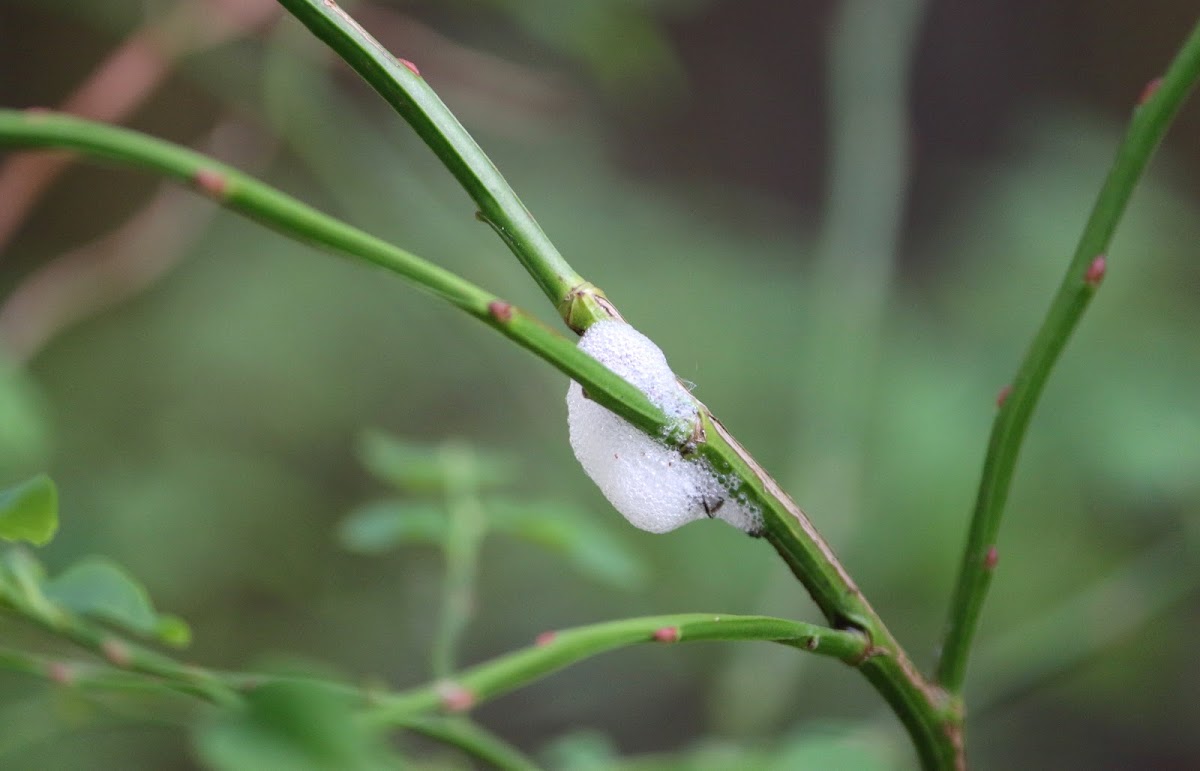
244	194
560	649
1151	118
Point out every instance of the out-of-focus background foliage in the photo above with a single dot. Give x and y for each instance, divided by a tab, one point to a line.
202	421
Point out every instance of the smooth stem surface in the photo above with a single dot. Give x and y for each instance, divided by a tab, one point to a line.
1150	122
260	202
789	531
408	93
560	649
465	531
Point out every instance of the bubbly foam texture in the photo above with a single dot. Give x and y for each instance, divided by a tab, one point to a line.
653	486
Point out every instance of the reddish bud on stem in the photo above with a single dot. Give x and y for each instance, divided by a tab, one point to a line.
455	698
1002	396
500	311
60	673
991	558
1095	271
1149	91
409	65
116	653
667	634
545	638
211	182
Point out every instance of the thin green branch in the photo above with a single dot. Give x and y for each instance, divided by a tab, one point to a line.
560	649
401	85
121	654
258	201
471	739
1150	121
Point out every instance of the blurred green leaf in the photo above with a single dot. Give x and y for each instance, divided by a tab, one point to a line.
589	547
29	511
292	727
419	468
24	432
101	589
382	525
846	745
582	751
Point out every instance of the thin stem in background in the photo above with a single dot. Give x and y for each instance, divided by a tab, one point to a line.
1150	121
871	48
466	528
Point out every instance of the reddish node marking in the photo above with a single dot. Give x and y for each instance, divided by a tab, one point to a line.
1148	91
116	653
991	558
60	673
500	311
1095	271
412	67
667	634
1002	396
455	698
811	644
545	638
38	112
211	182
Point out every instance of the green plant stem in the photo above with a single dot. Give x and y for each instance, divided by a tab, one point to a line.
789	531
409	94
566	647
471	739
1150	121
465	532
89	676
260	202
125	656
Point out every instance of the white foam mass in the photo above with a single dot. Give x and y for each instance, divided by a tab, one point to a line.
653	486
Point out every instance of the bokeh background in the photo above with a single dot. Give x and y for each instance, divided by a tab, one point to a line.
843	221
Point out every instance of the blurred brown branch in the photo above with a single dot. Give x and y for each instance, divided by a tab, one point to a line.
124	81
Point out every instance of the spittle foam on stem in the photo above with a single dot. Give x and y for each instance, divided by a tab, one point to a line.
652	485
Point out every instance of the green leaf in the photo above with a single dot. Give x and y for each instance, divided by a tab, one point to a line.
291	726
29	511
588	546
419	468
383	525
837	745
101	589
24	427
